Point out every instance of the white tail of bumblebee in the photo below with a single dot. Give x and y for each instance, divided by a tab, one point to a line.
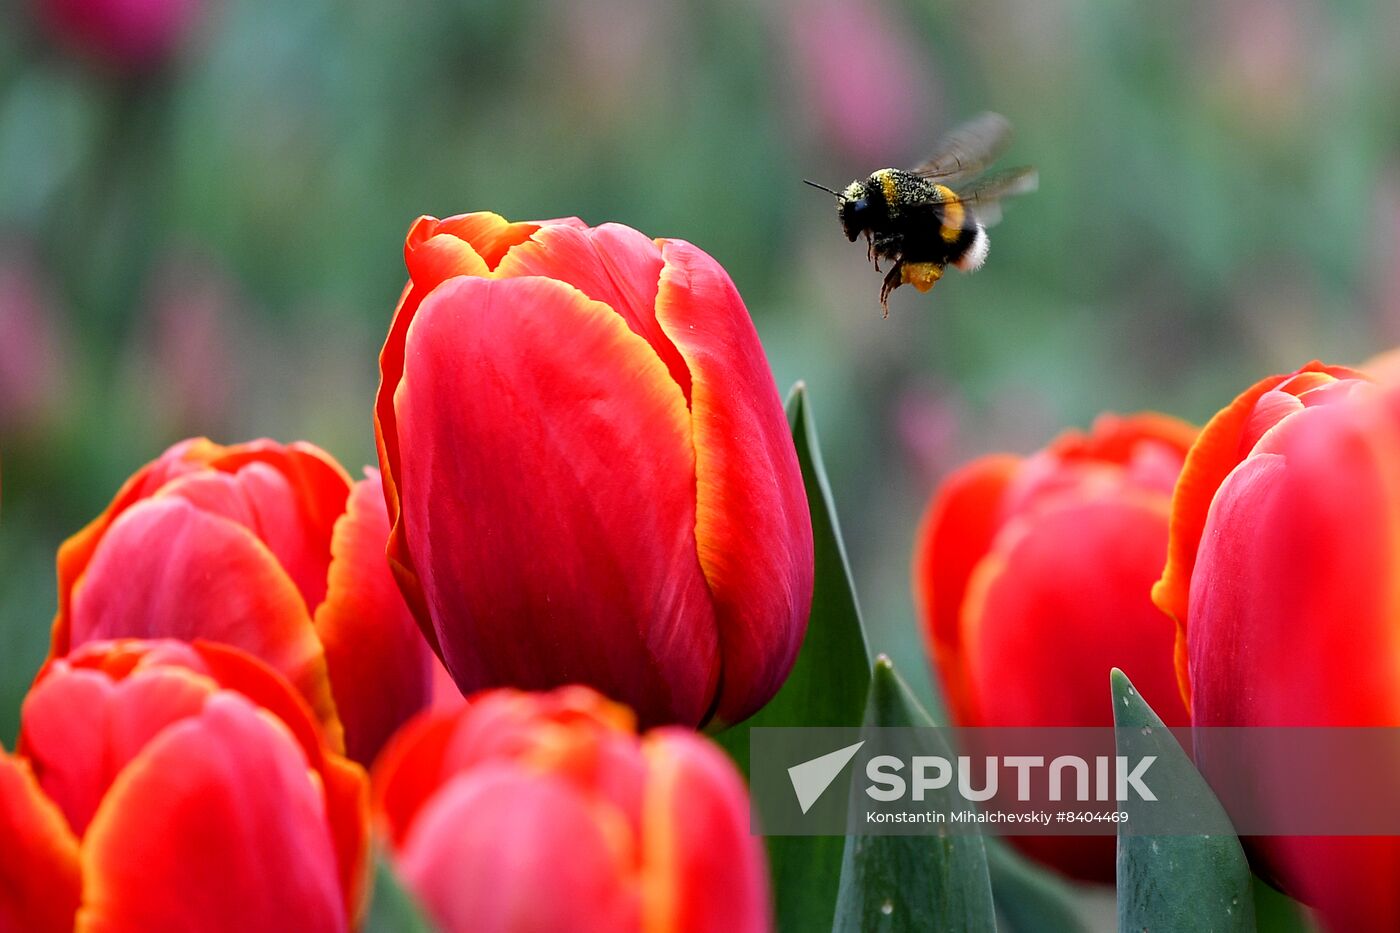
976	254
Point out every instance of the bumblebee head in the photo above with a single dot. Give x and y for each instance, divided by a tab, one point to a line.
852	206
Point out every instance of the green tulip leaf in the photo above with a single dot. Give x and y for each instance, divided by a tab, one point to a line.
1030	899
1278	913
922	882
392	909
1175	884
827	687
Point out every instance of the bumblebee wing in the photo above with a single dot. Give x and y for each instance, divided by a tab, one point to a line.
986	195
968	149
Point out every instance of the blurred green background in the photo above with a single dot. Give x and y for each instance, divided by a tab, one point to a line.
207	240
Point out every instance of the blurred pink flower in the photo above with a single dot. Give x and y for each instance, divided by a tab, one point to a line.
613	49
33	355
1264	57
928	424
868	88
132	35
189	346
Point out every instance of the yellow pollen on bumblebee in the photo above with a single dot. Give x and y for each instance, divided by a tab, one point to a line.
954	213
921	275
887	184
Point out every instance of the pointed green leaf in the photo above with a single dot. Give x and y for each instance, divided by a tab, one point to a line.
392	909
827	687
925	882
1278	913
1175	884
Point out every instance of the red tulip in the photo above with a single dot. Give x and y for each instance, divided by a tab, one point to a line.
133	35
547	812
271	549
189	787
1284	535
1034	578
588	469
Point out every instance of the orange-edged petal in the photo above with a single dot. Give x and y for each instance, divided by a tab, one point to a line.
1298	562
40	879
386	442
502	849
533	419
226	666
1294	599
81	728
956	533
1217	450
572	731
166	569
260	499
345	784
703	871
434	251
216	825
491	236
380	666
75	553
319	482
287	495
753	533
613	264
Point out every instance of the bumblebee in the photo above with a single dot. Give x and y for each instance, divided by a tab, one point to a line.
937	213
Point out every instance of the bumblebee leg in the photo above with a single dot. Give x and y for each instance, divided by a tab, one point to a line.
892	281
921	275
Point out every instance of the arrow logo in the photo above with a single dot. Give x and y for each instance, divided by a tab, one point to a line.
811	778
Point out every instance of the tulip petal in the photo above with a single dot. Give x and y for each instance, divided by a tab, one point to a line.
703	870
1297	561
81	728
40	880
433	253
490	235
753	530
304	487
369	636
319	484
1221	445
75	553
165	569
386	442
531	407
485	856
956	532
261	499
1034	607
613	264
409	770
216	825
439	258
